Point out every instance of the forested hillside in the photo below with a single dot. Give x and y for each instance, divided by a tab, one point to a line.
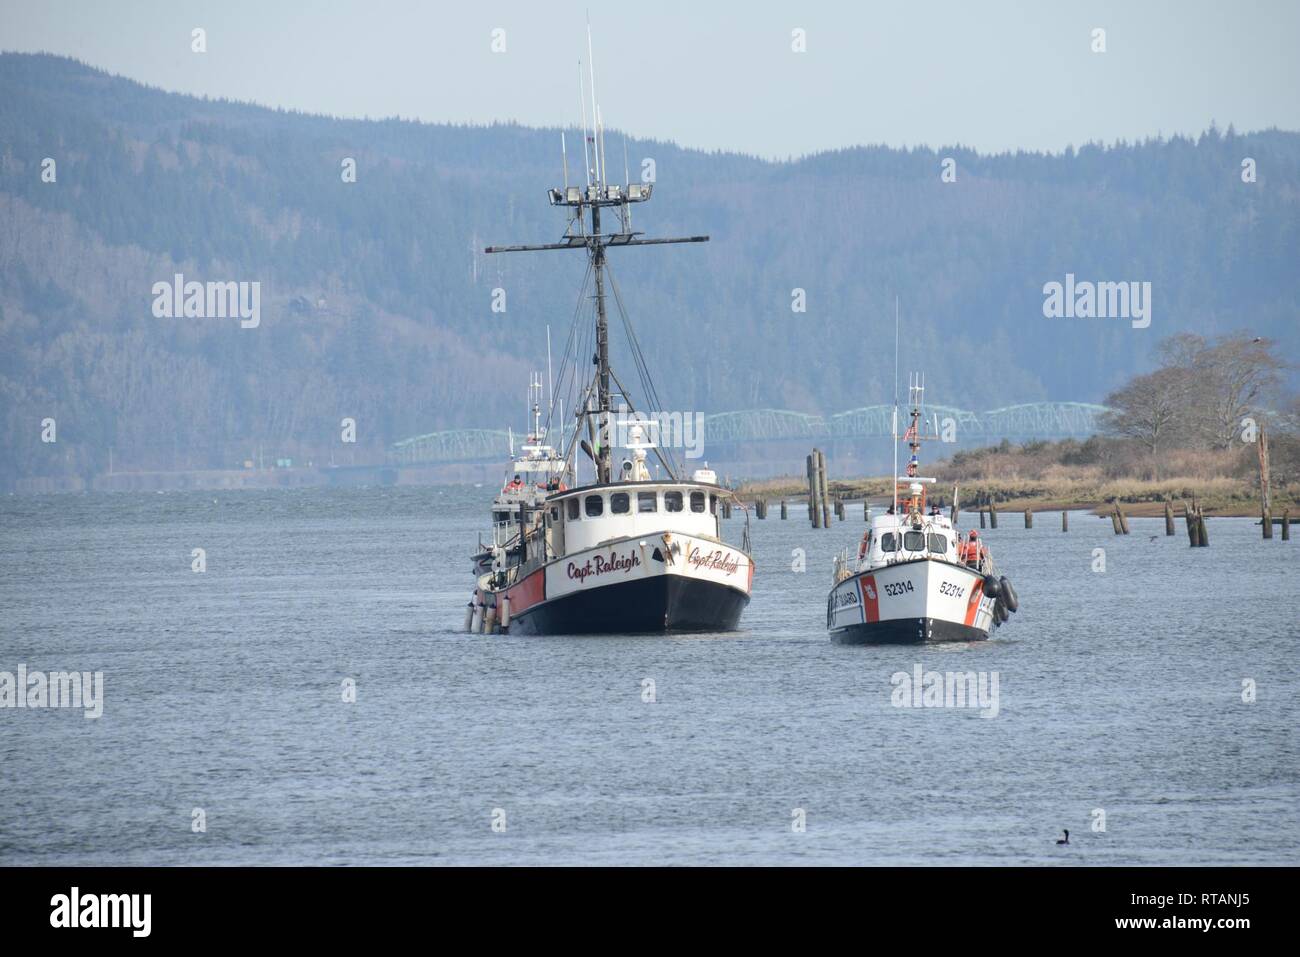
377	300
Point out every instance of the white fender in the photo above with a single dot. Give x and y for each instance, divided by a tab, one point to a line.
476	622
505	611
469	617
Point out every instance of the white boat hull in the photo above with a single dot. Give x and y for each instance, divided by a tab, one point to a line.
633	585
912	601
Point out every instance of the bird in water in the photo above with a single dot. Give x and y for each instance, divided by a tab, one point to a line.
1066	839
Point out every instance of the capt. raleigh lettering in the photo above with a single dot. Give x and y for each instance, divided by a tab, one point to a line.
719	560
600	565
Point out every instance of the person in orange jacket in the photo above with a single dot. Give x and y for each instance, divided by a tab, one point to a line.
972	552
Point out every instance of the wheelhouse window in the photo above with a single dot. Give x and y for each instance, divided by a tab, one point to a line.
647	502
672	501
713	504
555	513
914	541
697	501
889	542
572	507
938	543
620	503
595	506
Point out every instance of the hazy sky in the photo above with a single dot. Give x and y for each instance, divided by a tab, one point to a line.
991	75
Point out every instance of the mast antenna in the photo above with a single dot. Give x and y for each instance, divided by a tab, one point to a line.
627	181
595	108
895	483
582	101
550	381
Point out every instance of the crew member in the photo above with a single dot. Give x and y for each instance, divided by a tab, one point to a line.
975	552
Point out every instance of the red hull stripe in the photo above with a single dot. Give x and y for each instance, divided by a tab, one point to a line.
529	592
973	606
870	599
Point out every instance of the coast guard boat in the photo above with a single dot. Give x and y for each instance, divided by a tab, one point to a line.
916	577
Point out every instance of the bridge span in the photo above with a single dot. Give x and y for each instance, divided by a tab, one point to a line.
728	430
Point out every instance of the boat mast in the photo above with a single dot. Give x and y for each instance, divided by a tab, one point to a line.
580	202
603	466
604	470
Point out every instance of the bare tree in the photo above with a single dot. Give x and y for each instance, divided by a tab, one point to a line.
1242	371
1230	376
1150	408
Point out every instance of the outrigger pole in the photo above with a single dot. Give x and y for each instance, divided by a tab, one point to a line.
596	196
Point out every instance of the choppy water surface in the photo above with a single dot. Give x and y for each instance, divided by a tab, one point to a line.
1119	691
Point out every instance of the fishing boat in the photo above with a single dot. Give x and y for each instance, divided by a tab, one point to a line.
620	540
916	577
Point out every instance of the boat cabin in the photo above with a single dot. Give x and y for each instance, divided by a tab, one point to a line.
897	538
584	517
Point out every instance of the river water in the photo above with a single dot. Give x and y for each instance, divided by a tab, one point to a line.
1120	701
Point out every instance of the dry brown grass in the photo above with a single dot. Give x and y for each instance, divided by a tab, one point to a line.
1047	476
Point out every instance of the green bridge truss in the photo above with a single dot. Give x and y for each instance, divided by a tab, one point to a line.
1028	421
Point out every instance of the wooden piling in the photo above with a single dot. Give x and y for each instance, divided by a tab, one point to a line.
814	507
1123	519
825	489
981	518
1169	518
1114	523
1029	519
1203	538
993	514
1266	506
1190	518
785	513
1286	524
1065	521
